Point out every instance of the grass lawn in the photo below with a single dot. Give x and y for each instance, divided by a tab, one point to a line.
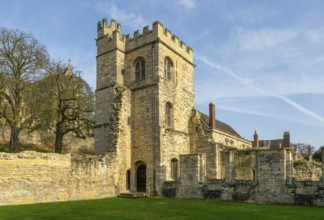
158	208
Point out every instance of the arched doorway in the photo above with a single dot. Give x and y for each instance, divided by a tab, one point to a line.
141	178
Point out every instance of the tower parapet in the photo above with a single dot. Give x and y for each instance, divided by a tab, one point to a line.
109	37
112	36
105	29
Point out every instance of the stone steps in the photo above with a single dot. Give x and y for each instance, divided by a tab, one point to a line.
133	195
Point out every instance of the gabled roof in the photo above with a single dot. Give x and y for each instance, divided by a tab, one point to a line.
221	126
271	144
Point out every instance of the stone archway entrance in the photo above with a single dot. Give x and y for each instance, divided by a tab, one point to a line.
141	178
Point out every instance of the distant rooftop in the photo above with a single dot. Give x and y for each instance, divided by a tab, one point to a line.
221	126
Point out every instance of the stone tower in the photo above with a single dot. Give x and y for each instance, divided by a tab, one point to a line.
144	99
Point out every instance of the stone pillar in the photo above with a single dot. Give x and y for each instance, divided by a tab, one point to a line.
212	122
288	167
229	166
192	172
201	168
255	140
218	158
256	168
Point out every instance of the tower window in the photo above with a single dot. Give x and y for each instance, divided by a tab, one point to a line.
174	169
168	69
168	114
140	69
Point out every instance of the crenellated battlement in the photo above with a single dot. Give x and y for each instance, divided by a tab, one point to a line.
105	29
112	32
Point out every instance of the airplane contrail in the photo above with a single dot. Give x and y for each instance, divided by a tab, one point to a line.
248	82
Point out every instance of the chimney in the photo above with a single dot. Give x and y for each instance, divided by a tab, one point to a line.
286	140
309	150
212	122
256	140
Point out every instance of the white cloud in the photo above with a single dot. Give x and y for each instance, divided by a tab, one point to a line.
295	84
129	18
262	91
251	14
315	36
263	39
187	4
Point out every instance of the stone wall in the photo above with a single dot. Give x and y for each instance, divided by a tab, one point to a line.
31	177
273	179
192	171
307	171
271	176
244	165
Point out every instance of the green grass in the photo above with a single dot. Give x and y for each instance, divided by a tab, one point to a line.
158	208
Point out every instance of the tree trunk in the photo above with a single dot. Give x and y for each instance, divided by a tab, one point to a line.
58	139
14	139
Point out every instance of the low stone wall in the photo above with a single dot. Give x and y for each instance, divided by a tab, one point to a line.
32	177
306	170
170	189
275	179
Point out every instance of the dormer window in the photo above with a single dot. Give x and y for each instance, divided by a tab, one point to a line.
140	69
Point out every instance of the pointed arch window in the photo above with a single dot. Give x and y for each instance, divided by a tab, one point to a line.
168	114
168	66
174	168
140	69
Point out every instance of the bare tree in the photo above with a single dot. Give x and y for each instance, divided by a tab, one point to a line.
305	150
64	104
22	59
318	154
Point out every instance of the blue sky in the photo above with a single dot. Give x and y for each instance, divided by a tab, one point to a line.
260	62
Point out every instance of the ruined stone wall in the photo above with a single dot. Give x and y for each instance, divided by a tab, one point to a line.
193	170
213	156
213	143
273	181
271	176
306	170
31	177
105	97
200	131
244	165
222	165
123	153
